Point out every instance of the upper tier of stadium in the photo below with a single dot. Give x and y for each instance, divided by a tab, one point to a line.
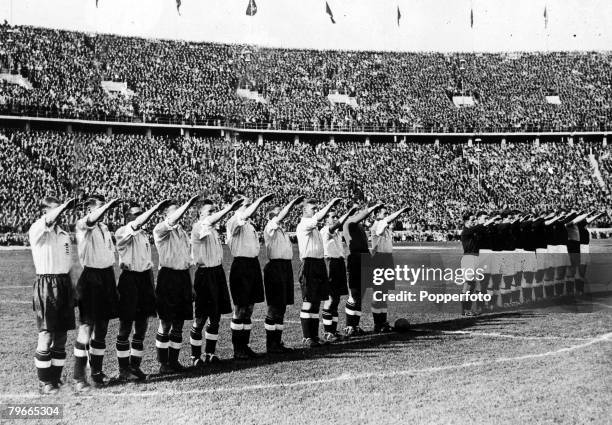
54	73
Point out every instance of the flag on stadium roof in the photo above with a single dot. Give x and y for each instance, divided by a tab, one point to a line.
471	18
251	8
545	17
329	12
96	4
399	16
178	6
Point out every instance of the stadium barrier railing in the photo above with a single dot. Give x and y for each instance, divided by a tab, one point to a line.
170	122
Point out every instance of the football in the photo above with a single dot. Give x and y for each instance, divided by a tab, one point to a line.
402	325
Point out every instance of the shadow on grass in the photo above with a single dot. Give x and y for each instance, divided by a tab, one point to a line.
362	345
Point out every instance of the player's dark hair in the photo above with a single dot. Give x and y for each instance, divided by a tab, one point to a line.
134	209
167	204
50	202
95	199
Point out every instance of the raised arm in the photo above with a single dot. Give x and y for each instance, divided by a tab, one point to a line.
213	218
52	215
145	216
283	213
492	220
589	220
382	225
95	216
553	219
569	218
581	216
250	210
395	215
180	211
363	214
319	215
342	220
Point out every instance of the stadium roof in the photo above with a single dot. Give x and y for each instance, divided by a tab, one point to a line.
424	25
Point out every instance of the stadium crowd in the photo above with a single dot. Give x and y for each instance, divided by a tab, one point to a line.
438	182
175	81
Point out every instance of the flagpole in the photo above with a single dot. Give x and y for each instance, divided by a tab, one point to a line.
546	33
472	23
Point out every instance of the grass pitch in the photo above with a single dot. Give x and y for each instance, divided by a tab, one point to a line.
538	365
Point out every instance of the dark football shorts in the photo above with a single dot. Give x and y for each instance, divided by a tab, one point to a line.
278	282
53	302
136	295
97	295
314	282
357	266
246	283
336	271
212	298
173	295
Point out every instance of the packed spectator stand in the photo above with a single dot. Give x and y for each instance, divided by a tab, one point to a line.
437	181
197	83
51	73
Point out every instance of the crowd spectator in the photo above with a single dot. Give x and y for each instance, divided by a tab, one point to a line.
437	181
196	83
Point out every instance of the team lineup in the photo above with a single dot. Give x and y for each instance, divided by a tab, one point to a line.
324	277
521	257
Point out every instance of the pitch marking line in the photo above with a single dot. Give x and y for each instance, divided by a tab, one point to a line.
426	248
341	378
498	335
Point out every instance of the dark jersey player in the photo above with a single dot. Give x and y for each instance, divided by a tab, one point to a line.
359	253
